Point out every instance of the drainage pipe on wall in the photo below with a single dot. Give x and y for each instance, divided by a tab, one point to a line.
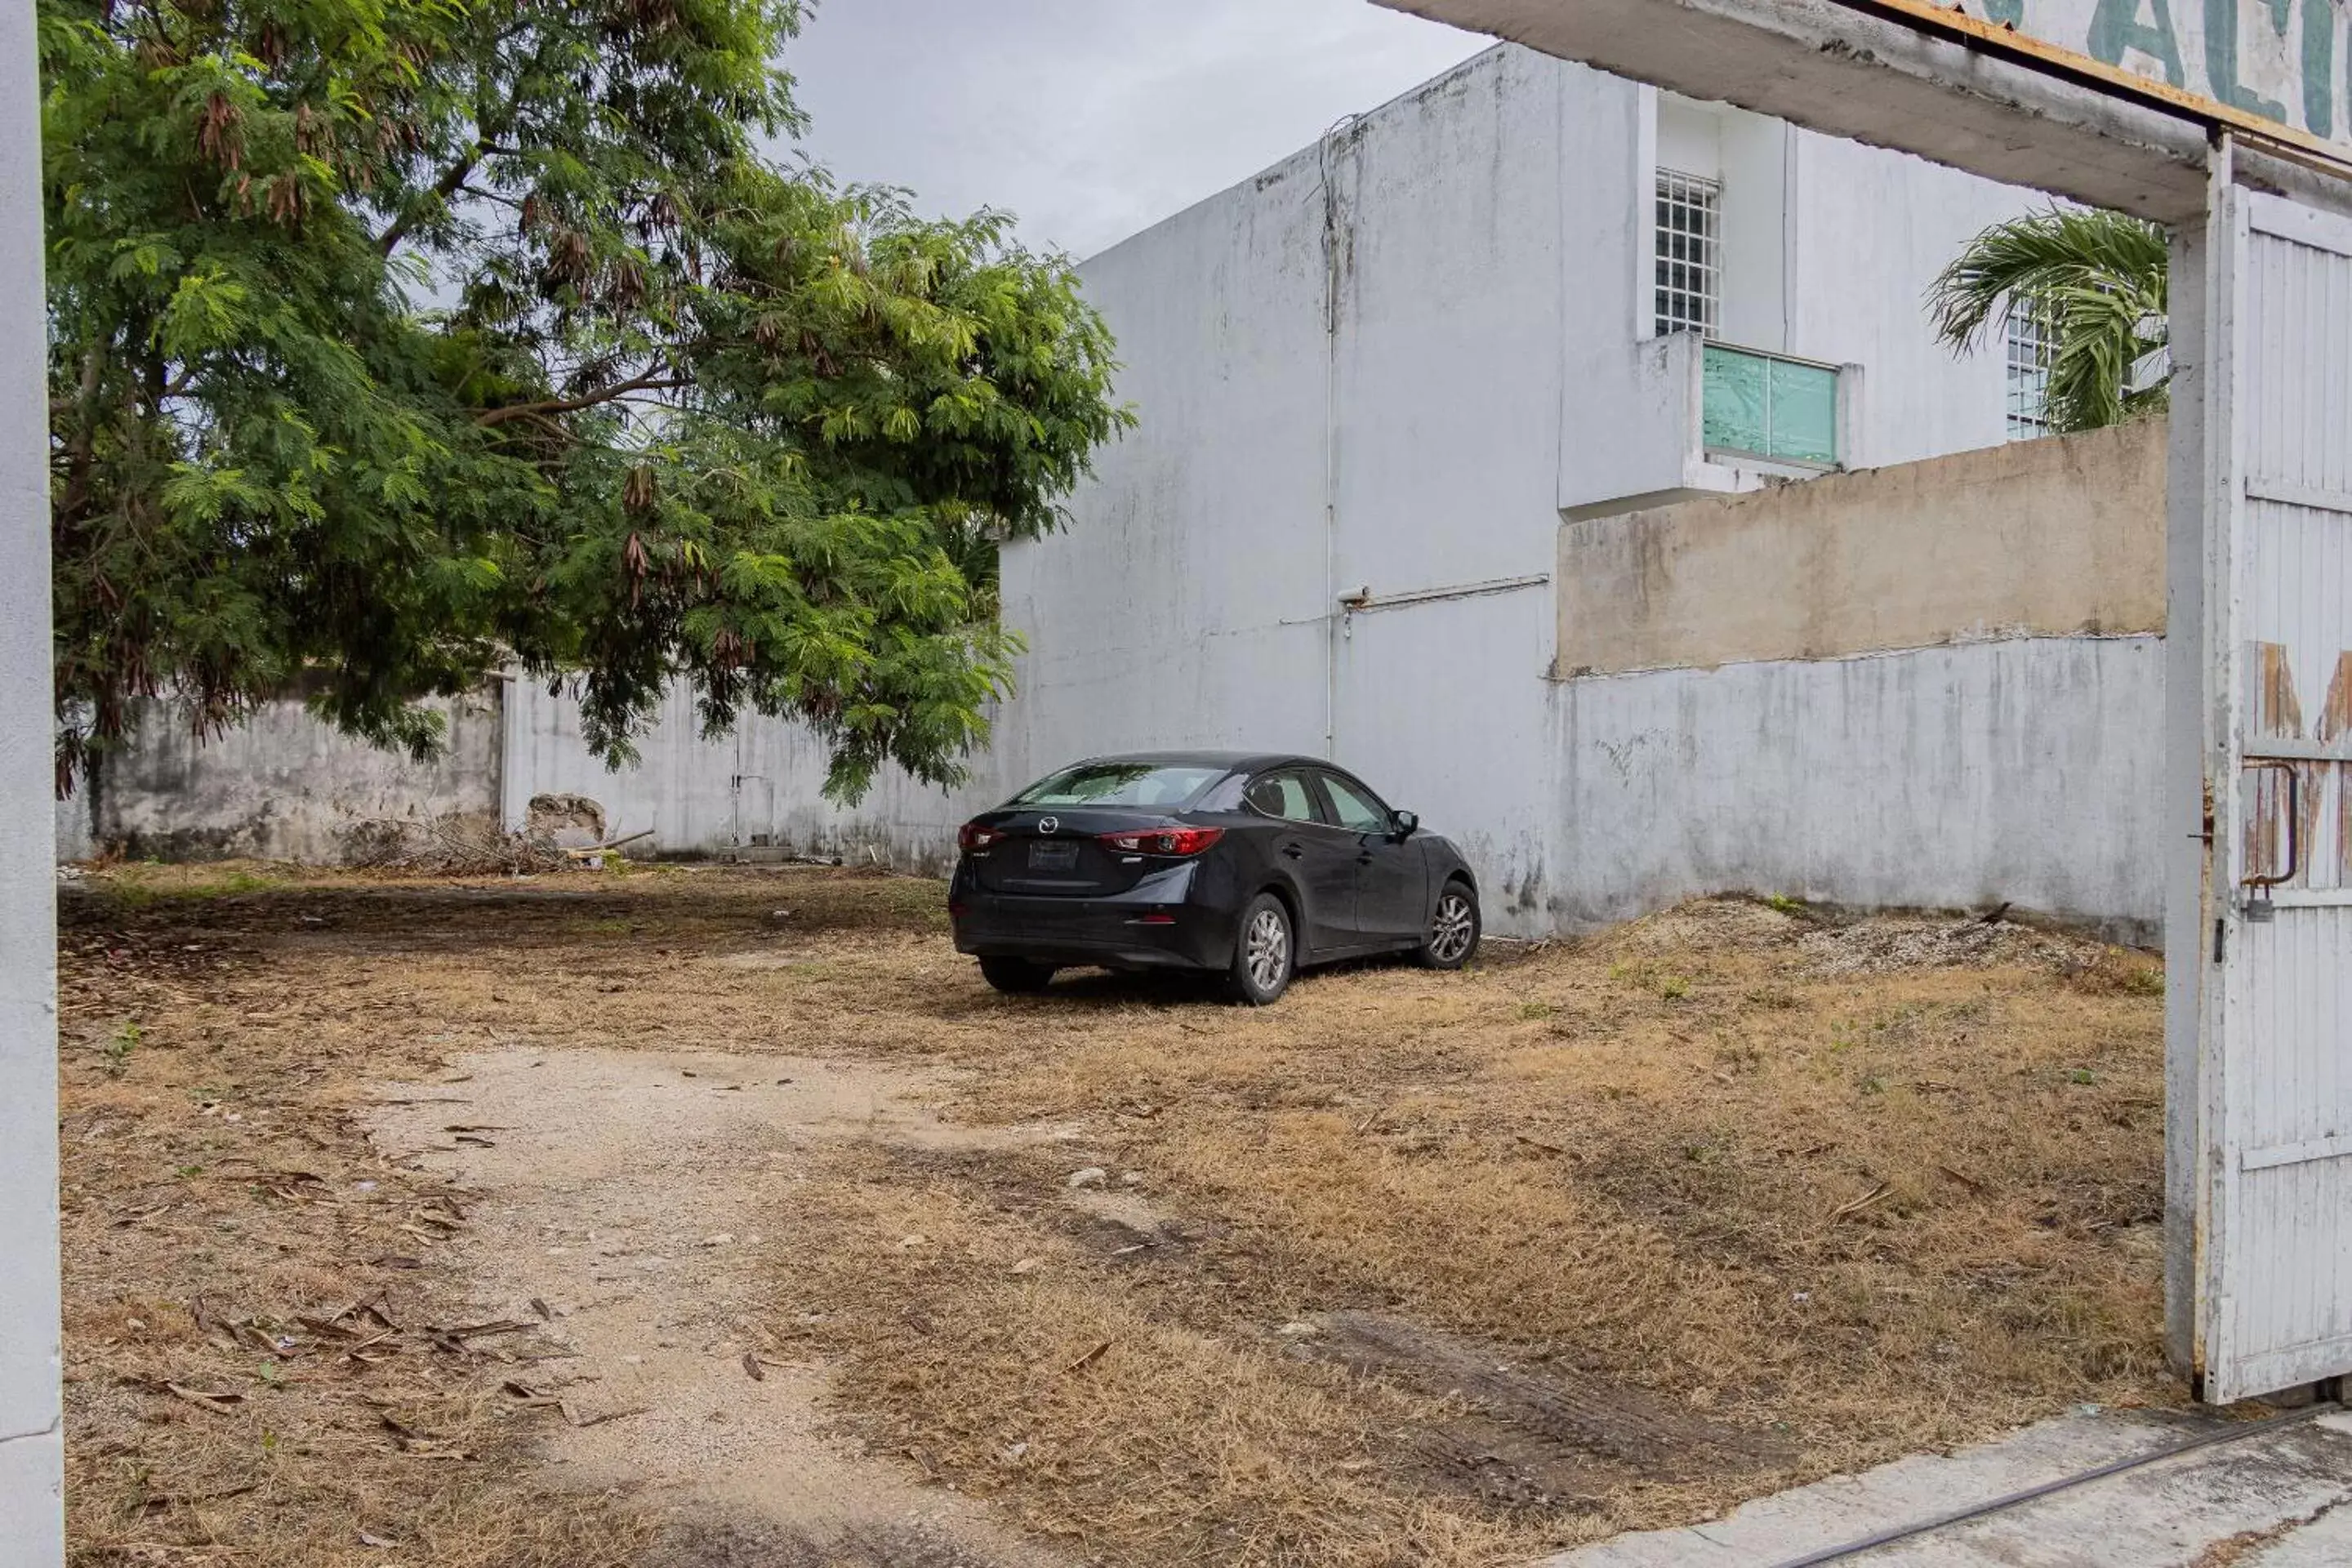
1335	265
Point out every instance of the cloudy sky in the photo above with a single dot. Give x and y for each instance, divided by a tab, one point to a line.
1093	119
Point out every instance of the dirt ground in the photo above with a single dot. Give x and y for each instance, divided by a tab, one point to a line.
688	1218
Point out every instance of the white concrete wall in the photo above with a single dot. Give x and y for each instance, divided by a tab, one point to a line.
32	1486
282	785
2027	771
762	785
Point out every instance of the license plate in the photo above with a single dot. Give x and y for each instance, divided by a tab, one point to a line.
1053	857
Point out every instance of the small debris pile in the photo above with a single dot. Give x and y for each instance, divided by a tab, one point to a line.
450	847
1884	944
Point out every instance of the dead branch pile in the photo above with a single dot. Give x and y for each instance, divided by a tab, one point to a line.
449	847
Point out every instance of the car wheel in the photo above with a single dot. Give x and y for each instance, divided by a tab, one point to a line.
1016	977
1265	954
1451	940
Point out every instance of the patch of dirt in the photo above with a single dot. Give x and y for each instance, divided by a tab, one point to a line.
642	1200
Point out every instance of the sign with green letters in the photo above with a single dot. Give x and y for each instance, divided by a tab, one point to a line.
2280	59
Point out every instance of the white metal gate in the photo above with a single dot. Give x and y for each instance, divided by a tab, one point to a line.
2274	1234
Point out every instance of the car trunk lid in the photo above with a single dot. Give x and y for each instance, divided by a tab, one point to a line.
1060	852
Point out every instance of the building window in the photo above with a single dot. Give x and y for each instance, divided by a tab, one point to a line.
1690	254
2032	343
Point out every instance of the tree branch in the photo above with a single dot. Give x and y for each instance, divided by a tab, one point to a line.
452	180
649	382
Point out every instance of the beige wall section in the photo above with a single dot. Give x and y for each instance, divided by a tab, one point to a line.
2040	538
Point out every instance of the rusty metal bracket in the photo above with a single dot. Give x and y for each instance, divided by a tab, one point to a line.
2262	885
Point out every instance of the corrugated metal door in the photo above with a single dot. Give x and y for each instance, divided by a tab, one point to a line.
2275	1214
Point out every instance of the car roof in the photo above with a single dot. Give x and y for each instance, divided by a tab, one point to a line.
1231	762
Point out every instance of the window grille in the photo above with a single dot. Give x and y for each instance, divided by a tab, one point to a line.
1690	254
2033	344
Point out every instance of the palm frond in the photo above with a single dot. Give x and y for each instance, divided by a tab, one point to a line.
2095	280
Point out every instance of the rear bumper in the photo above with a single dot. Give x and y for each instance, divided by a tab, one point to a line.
1151	927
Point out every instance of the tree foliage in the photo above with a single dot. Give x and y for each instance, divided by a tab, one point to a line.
393	341
2095	280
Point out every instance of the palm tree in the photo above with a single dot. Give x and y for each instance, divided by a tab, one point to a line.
2095	281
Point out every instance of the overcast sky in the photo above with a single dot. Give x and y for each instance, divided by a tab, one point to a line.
1093	119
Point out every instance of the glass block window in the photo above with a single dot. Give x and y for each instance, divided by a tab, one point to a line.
2033	343
1763	405
1690	254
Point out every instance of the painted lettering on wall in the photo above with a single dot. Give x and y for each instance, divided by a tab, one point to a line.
2282	59
2278	716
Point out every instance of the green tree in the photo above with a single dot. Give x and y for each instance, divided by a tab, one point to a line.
392	341
2094	280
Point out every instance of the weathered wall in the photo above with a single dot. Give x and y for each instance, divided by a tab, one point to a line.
32	1432
284	785
761	786
2049	538
2026	771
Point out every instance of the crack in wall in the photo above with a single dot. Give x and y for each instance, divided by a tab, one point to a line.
54	1429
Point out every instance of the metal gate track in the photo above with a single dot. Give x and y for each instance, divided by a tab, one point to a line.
2051	1488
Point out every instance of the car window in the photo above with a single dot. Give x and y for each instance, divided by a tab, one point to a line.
1119	784
1283	794
1356	812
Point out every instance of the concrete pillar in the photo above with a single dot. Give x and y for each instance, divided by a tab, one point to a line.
32	1445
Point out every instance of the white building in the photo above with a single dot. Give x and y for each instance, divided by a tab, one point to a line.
1393	386
1382	373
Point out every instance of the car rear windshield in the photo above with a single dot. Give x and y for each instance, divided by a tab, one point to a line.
1166	786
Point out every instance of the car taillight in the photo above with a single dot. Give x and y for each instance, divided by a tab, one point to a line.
1163	840
973	836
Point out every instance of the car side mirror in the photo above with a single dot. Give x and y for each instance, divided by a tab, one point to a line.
1405	824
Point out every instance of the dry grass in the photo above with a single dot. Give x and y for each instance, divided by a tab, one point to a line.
1759	1198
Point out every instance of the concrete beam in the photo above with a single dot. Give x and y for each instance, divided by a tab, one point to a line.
32	1525
1835	70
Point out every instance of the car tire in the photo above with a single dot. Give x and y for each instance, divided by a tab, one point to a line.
1266	954
1452	939
1016	977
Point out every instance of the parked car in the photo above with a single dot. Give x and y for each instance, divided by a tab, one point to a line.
1252	866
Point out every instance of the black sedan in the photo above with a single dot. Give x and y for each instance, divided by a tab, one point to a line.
1246	866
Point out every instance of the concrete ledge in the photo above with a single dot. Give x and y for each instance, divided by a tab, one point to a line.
2283	1486
31	1500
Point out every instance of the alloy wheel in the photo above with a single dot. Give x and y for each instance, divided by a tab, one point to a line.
1267	950
1453	930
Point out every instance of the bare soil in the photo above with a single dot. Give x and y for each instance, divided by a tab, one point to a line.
689	1218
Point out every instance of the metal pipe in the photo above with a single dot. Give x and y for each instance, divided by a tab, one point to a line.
1364	601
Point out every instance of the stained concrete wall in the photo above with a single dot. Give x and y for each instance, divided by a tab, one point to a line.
758	788
2038	538
1940	684
2025	771
284	785
32	1485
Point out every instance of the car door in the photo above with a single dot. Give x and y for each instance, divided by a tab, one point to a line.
1391	873
1320	857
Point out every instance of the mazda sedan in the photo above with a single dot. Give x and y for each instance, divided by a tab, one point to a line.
1237	865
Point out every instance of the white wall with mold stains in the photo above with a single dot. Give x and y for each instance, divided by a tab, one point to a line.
2026	771
283	785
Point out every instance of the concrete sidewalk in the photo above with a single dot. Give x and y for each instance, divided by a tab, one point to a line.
2274	1498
